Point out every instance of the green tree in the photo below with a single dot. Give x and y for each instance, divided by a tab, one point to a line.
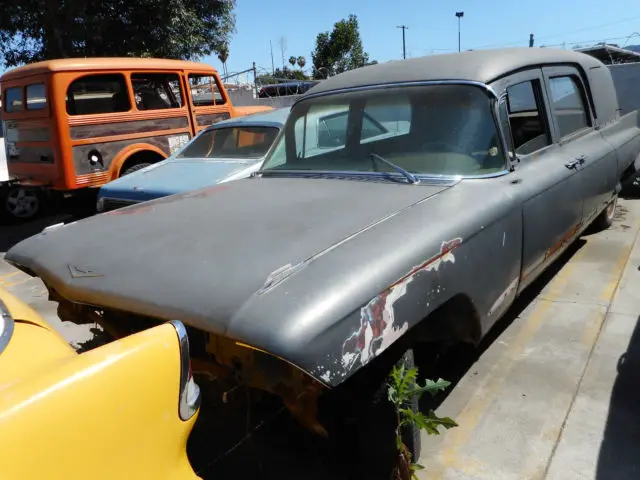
339	50
32	30
223	56
280	76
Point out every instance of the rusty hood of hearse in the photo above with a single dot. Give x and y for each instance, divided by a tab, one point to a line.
278	268
393	193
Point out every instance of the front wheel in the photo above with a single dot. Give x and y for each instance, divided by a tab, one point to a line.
365	434
605	219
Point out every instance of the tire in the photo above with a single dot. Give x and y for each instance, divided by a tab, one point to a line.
605	219
21	204
365	434
134	168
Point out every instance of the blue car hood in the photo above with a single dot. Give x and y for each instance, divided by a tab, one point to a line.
175	176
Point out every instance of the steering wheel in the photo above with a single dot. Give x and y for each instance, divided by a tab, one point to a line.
448	147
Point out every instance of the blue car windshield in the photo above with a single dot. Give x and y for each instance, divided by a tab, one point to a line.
231	142
445	129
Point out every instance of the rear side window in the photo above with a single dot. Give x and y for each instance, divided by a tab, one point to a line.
205	90
527	117
36	97
13	99
156	91
568	105
98	94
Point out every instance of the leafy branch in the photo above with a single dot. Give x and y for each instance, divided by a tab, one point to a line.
402	388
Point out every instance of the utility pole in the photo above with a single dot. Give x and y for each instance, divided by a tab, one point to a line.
404	49
459	15
273	67
531	40
255	80
283	46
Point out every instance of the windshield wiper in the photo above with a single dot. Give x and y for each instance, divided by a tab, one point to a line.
410	177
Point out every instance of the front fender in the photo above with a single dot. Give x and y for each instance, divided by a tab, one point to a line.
337	312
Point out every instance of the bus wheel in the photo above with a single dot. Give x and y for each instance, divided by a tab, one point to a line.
22	203
134	168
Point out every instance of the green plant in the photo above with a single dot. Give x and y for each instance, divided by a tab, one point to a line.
403	388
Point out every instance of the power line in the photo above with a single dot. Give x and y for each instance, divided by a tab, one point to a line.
594	27
593	41
425	51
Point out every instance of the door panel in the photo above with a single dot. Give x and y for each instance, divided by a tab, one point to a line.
552	210
594	160
549	192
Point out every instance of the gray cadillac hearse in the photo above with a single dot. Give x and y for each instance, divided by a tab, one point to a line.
404	204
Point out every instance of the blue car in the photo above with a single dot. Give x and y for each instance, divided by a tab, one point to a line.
226	151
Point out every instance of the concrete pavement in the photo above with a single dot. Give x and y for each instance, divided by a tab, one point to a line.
31	290
555	395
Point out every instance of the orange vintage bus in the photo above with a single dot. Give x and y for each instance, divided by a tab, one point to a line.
76	123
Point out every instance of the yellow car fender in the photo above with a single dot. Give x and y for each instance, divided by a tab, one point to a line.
112	412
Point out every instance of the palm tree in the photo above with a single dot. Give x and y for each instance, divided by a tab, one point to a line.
223	56
301	62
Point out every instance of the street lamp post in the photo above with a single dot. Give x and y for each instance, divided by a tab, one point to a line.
459	15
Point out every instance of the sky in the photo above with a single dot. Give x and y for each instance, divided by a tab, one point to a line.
433	26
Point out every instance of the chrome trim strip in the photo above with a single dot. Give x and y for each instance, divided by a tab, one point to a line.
379	86
347	173
7	331
187	407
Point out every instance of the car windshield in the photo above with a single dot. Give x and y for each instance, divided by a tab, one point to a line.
231	142
425	130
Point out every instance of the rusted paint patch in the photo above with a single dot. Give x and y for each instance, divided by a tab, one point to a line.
503	296
566	238
378	326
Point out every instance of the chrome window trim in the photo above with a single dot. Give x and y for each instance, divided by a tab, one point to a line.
7	331
454	178
424	179
380	86
186	407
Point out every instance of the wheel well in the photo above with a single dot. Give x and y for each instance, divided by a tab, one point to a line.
144	156
456	320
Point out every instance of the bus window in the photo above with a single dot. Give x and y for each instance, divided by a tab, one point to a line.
204	90
13	100
36	97
98	94
155	91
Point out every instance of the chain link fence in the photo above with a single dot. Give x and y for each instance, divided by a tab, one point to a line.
258	86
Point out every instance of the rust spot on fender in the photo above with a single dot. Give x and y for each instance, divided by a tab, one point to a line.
378	326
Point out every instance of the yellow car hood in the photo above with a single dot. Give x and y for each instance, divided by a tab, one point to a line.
34	343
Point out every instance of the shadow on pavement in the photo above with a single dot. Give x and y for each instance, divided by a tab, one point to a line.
68	211
12	234
264	441
99	338
619	457
454	364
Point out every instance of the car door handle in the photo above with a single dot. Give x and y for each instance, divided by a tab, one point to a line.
574	163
